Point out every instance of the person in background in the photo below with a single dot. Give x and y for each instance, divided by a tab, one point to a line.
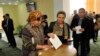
45	27
60	28
97	27
93	14
75	12
32	35
75	15
92	18
85	27
3	26
8	27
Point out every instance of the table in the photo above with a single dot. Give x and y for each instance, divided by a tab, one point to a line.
64	50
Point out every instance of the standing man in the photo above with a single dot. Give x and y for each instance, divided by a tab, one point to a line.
8	27
83	29
4	26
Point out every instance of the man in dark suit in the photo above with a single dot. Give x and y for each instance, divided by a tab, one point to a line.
8	27
85	29
4	24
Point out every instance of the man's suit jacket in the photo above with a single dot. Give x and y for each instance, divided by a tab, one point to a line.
86	24
4	26
10	25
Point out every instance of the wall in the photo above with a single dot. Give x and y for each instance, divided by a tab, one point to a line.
46	7
97	6
66	8
22	14
58	5
17	12
62	5
1	18
93	5
90	5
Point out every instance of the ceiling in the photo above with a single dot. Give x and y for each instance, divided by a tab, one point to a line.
11	2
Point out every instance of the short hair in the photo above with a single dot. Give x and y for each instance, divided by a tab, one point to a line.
34	15
7	14
82	9
97	16
3	16
45	16
61	12
93	12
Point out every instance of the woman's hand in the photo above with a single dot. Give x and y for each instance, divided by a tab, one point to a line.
81	30
51	35
74	29
44	47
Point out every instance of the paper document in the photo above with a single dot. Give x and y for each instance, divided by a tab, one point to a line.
32	40
77	29
55	41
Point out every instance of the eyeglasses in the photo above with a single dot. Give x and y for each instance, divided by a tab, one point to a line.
39	18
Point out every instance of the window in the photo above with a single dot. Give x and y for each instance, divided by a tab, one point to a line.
76	4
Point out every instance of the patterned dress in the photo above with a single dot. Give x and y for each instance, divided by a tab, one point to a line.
31	36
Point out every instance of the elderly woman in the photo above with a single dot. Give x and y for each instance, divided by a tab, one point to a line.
60	28
32	35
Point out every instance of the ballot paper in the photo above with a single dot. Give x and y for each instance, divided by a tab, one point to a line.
32	40
55	41
77	29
